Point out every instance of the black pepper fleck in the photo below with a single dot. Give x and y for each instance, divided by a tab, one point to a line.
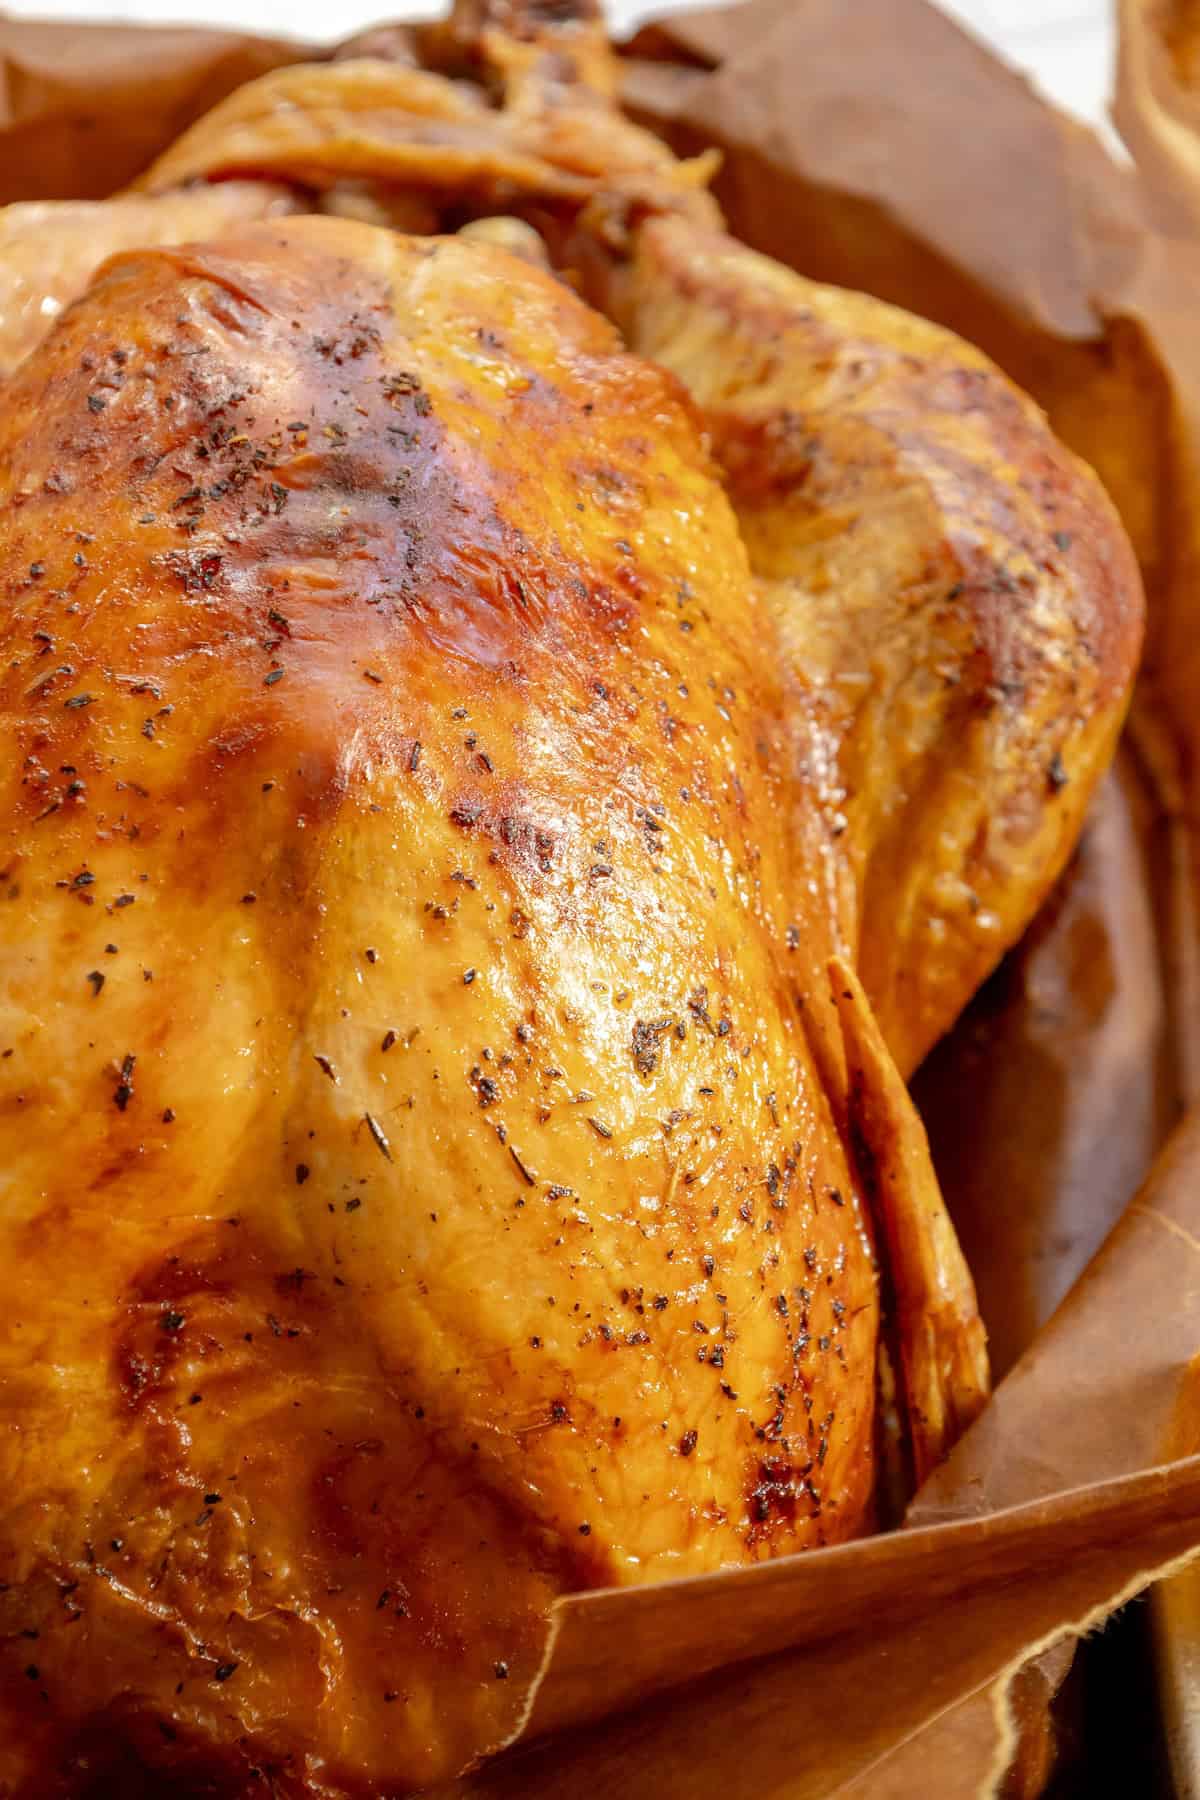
376	1132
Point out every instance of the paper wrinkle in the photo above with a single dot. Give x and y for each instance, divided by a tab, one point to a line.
1151	1212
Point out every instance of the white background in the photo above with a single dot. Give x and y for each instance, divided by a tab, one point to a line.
1066	45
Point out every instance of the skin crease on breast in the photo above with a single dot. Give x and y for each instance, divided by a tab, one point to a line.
421	1196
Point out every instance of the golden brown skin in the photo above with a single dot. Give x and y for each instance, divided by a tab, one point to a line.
50	249
323	123
942	1346
421	1195
956	603
951	589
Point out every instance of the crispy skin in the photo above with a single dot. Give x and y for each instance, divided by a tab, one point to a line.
436	1168
943	1348
322	123
955	600
951	589
50	249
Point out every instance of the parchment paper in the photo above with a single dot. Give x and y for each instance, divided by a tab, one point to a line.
878	146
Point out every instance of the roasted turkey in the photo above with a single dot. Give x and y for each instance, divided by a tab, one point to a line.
521	731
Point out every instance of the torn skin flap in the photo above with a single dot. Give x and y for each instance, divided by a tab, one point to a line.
937	1327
